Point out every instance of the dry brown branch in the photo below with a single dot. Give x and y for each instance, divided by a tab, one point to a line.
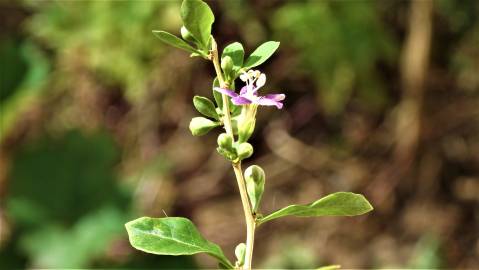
414	66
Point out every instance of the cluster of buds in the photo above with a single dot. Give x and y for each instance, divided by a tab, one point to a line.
246	103
234	151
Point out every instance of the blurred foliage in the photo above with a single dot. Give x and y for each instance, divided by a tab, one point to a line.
463	26
341	44
76	246
13	68
291	256
93	132
24	69
76	178
427	254
67	205
113	38
63	190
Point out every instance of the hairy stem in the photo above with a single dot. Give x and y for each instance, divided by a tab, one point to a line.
249	217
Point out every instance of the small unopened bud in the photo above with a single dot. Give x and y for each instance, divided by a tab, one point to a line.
240	252
200	126
225	141
227	64
244	150
186	35
255	178
229	154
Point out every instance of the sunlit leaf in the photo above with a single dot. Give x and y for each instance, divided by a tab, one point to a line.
336	204
236	52
205	107
171	236
261	54
174	41
197	18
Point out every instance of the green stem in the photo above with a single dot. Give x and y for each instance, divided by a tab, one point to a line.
223	84
249	217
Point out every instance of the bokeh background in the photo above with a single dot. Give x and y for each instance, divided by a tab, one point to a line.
382	99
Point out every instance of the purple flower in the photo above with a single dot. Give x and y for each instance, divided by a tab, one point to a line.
249	93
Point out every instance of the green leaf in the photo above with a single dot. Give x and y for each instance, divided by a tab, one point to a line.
171	236
205	107
336	204
261	54
198	18
174	41
236	52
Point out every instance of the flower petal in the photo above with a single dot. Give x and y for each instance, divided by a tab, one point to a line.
226	92
239	100
254	91
269	102
276	97
244	90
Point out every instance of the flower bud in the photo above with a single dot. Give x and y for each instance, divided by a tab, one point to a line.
255	178
244	150
186	35
200	126
229	154
225	141
227	64
240	252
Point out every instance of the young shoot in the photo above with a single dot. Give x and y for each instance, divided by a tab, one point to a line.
234	113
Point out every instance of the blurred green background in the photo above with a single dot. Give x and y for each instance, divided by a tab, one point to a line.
382	99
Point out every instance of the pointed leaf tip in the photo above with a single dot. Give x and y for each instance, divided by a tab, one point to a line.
174	41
